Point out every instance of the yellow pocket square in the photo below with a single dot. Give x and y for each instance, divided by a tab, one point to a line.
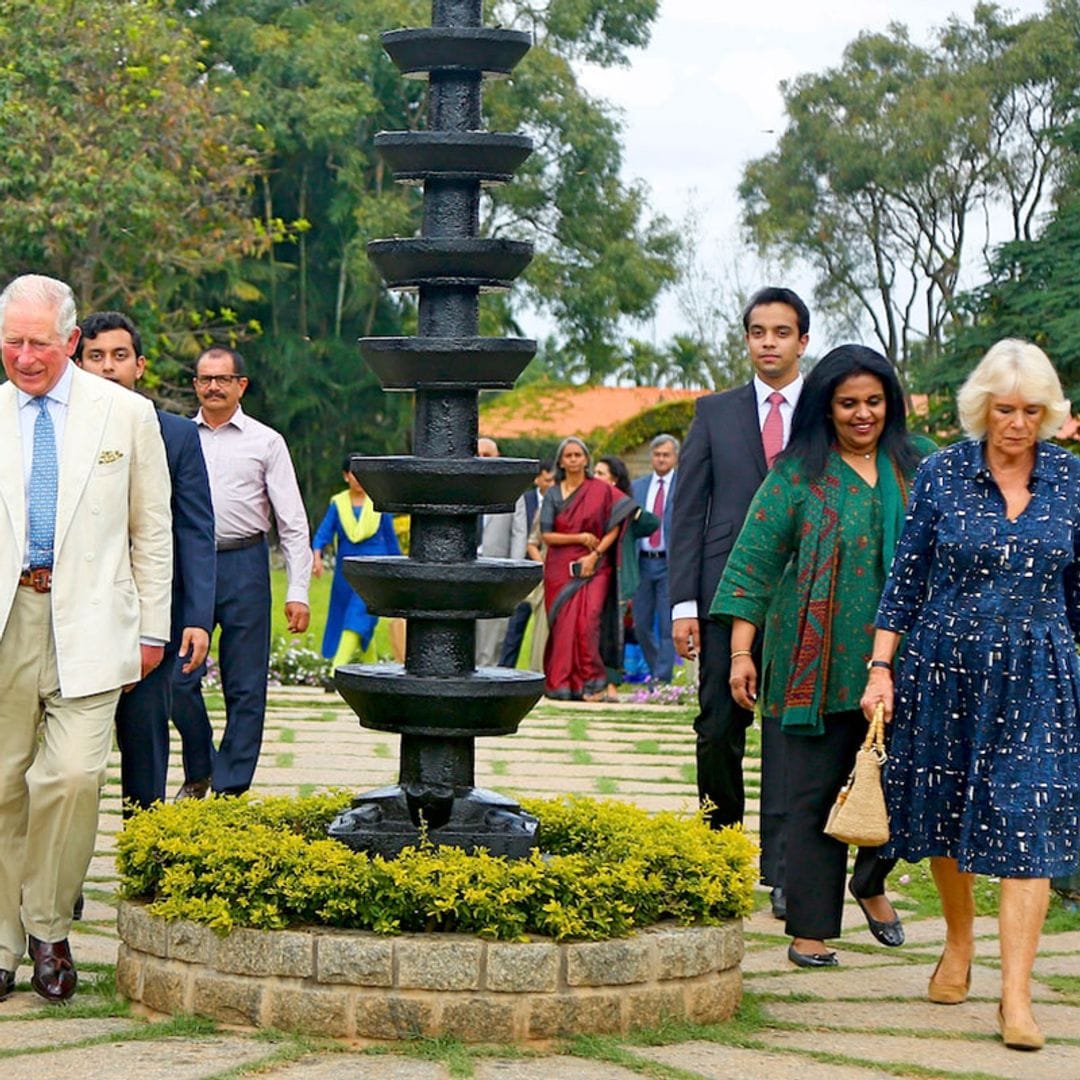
107	457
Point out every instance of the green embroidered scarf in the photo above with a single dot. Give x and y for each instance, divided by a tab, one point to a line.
815	574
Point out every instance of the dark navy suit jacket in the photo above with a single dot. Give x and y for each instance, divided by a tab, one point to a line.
194	558
640	490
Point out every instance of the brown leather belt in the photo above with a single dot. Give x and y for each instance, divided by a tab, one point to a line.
39	579
237	545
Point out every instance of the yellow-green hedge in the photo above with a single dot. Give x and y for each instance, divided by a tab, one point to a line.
606	868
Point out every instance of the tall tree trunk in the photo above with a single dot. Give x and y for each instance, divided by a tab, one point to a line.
302	325
268	219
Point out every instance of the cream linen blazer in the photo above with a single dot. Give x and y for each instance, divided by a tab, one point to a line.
112	563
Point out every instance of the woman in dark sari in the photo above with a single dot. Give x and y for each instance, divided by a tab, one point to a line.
580	527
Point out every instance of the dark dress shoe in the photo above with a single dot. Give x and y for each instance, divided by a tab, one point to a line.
7	983
889	933
54	975
779	903
193	789
811	960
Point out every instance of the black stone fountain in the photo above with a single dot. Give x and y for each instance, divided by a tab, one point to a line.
438	701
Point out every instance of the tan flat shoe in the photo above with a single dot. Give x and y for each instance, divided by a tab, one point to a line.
1017	1037
943	993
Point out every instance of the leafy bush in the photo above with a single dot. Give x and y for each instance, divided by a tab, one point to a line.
606	869
293	664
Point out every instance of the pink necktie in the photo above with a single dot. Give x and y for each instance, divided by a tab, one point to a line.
772	432
658	510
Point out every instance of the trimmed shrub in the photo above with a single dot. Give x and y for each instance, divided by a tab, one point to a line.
606	869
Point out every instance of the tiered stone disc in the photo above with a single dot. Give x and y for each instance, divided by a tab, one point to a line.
437	700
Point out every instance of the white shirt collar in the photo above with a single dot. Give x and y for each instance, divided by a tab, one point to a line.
60	393
238	419
791	392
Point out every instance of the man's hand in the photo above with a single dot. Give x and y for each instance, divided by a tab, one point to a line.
194	644
687	636
150	656
298	616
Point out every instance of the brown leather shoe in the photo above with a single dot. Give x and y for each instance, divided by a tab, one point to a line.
193	789
54	975
7	983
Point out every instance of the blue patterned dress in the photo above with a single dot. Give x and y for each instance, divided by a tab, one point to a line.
984	753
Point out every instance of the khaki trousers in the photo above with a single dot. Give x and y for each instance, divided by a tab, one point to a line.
53	753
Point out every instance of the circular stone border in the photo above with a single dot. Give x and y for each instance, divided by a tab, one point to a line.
357	984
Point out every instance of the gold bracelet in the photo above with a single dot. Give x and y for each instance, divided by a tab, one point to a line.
741	652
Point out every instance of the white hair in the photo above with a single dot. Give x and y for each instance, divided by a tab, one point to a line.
46	291
1012	366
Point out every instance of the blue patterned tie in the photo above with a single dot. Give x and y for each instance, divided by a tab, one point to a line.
43	475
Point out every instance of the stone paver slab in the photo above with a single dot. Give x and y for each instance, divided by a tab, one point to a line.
346	1066
31	1034
551	1068
162	1059
943	1056
771	960
869	984
718	1062
1058	1021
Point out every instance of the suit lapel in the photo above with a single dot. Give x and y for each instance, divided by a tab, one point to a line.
83	432
746	419
12	488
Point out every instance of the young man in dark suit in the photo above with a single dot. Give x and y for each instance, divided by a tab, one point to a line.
727	452
111	347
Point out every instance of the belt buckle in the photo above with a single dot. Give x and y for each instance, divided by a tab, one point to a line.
40	579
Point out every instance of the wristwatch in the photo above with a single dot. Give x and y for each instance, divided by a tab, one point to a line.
871	664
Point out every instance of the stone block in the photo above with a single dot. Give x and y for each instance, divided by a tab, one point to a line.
520	967
480	1018
728	942
682	953
128	974
713	998
574	1014
394	1016
647	1007
437	962
295	1006
163	986
266	952
232	1001
610	963
354	959
190	942
140	931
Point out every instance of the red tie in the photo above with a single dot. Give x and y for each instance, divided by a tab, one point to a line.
658	510
772	432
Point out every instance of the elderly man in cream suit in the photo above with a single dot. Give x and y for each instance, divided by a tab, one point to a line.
85	577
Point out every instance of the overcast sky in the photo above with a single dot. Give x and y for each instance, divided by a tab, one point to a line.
704	98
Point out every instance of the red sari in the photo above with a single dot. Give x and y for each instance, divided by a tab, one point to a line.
572	661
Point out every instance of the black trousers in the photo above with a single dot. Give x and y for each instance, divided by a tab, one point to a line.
816	767
142	733
721	743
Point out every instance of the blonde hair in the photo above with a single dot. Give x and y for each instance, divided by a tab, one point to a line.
1012	366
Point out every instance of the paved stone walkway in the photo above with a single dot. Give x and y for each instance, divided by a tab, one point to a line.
867	1018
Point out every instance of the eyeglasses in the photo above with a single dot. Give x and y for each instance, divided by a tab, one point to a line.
209	380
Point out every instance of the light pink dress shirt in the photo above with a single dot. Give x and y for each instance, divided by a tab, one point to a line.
251	474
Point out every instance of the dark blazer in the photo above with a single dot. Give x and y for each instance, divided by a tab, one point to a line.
639	488
721	466
194	558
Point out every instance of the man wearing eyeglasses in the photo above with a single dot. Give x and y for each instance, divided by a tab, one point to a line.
251	481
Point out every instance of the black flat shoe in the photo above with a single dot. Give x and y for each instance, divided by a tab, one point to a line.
889	933
778	902
812	960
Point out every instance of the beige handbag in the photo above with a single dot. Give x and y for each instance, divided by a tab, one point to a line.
859	816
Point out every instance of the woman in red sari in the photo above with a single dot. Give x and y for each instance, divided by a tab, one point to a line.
577	527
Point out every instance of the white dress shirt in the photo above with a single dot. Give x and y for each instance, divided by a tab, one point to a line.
251	476
688	609
650	498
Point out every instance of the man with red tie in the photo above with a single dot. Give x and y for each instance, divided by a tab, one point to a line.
729	448
652	608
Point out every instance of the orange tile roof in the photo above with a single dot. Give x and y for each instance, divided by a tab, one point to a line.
571	410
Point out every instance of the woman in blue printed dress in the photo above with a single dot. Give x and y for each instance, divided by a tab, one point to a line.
984	755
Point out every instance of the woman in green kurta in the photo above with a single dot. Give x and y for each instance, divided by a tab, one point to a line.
809	567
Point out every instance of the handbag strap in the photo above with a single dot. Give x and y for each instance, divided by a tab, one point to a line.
875	732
